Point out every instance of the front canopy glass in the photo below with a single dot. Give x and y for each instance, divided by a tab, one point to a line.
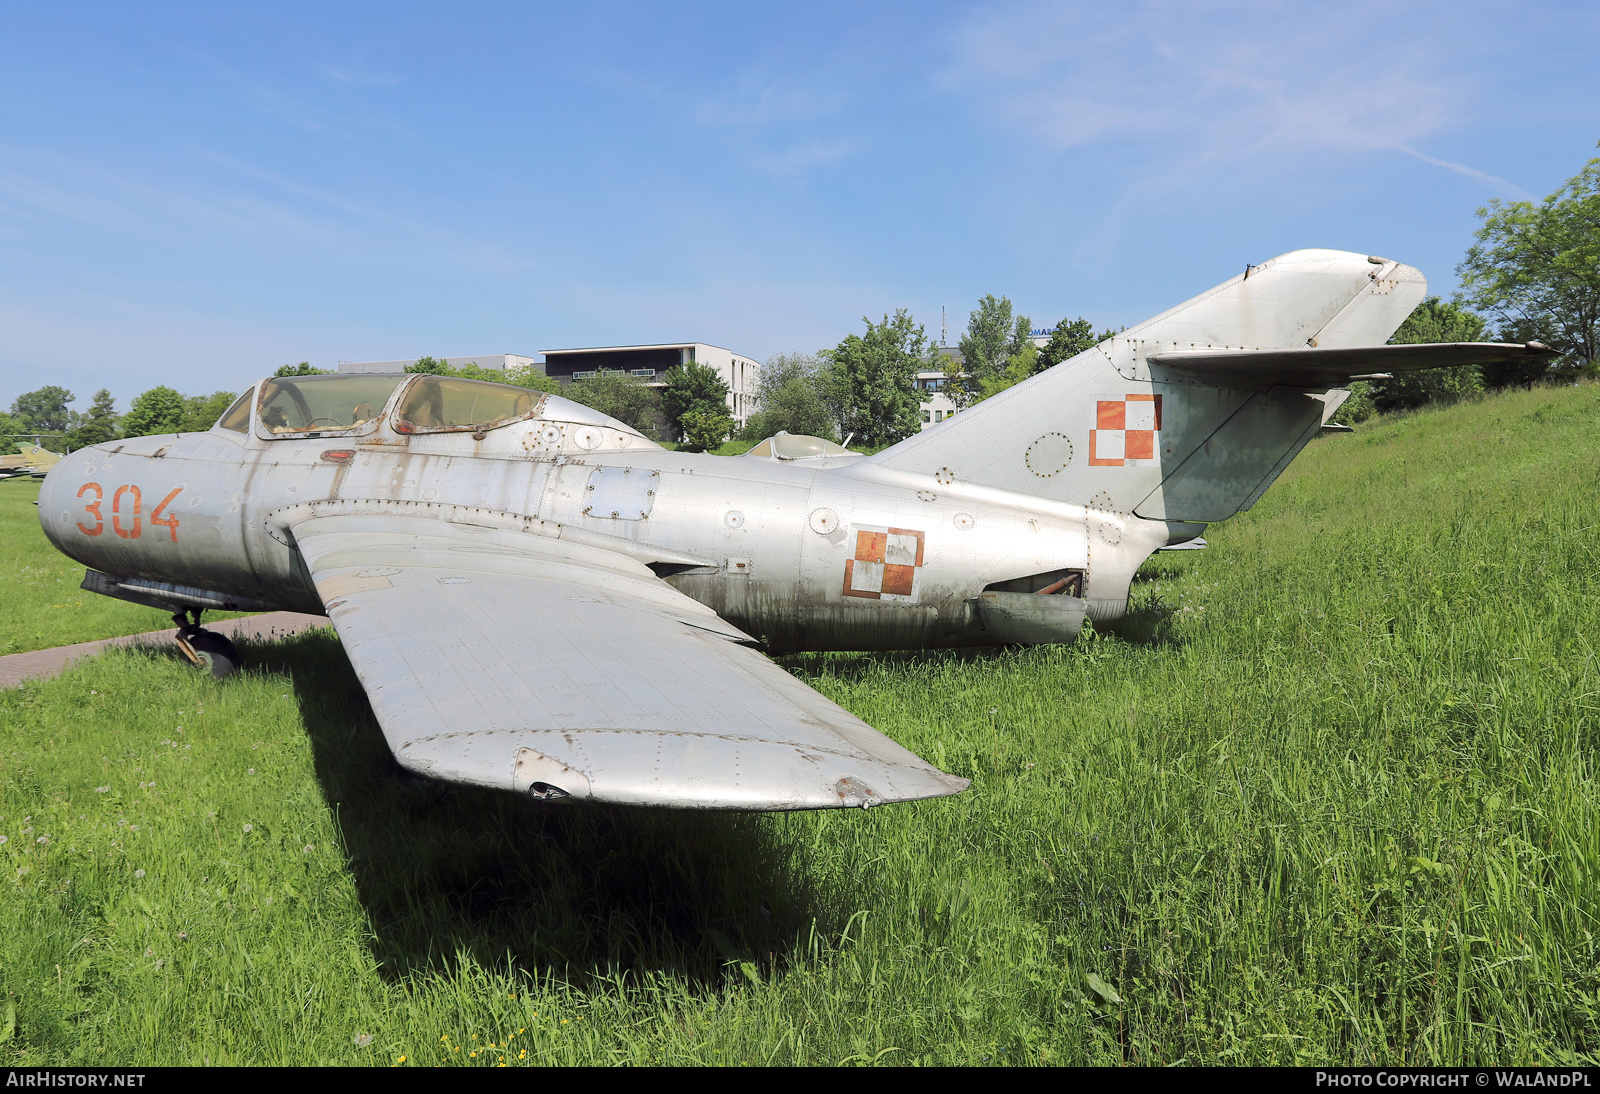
297	405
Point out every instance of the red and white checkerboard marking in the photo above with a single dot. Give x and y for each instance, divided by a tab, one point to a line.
885	563
1125	428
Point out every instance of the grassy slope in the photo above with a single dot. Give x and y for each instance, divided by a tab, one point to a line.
43	605
1330	797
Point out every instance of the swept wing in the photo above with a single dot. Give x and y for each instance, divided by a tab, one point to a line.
515	660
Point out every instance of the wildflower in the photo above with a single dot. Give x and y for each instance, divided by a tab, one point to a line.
42	839
307	849
363	1040
252	771
401	1060
138	873
563	1021
472	1054
148	952
4	839
249	828
183	934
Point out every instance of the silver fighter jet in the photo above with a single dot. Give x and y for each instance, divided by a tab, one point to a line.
538	598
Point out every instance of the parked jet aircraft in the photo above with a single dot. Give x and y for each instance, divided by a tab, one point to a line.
536	597
35	460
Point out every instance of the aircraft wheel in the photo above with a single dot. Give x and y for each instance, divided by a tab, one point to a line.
214	653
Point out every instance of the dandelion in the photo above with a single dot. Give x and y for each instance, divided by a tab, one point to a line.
148	952
42	839
249	828
138	873
252	771
183	934
401	1060
307	849
472	1054
363	1040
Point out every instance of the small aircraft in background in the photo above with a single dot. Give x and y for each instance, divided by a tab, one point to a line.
34	460
537	597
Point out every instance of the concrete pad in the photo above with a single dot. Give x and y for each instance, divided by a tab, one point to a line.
16	668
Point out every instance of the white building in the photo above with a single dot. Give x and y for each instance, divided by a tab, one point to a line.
482	360
650	364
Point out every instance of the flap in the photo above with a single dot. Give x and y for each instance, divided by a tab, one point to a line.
531	664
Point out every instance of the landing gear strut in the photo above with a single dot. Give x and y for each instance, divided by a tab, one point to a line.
204	649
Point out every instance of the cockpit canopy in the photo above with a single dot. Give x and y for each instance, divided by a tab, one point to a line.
447	404
300	405
797	446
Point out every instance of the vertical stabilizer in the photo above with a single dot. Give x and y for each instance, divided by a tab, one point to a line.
1110	431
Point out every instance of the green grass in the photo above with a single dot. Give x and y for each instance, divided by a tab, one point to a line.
39	587
1329	796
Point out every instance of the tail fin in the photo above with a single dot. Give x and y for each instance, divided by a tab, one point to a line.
1115	429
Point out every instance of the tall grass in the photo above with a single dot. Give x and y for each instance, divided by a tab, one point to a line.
1328	795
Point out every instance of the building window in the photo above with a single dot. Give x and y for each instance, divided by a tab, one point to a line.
646	373
589	375
927	416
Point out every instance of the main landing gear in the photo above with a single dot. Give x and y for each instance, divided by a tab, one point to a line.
205	649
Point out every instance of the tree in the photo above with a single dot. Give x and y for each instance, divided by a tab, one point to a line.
1535	270
691	387
159	410
870	381
45	410
98	426
705	427
519	376
1069	338
1433	321
200	412
529	376
302	369
994	336
789	399
10	426
626	398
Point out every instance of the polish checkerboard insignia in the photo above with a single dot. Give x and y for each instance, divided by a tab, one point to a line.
1125	429
885	563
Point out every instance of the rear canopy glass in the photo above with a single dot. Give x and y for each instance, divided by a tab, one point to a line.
442	404
318	404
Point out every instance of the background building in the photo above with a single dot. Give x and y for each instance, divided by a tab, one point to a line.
482	360
650	364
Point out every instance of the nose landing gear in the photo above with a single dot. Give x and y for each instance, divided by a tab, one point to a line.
204	649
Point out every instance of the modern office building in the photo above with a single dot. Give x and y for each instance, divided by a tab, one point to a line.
650	364
482	360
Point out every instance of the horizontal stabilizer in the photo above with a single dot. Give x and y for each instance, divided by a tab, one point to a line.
1324	368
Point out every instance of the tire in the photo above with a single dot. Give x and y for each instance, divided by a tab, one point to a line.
217	655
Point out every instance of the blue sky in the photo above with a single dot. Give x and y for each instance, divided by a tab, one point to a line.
194	195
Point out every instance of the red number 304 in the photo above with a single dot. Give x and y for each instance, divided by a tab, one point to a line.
130	512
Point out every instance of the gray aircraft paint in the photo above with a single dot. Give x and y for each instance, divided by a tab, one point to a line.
557	605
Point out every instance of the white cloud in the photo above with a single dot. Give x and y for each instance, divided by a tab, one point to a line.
1217	81
801	158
